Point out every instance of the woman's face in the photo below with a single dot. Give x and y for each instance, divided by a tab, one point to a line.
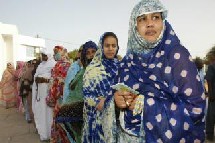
9	65
55	50
90	53
149	26
44	57
78	54
110	47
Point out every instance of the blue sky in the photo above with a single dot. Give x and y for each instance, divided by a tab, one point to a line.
77	21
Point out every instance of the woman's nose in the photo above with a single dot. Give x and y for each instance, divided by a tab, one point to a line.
111	48
91	55
149	23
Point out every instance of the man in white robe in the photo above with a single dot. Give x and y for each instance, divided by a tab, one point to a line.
43	114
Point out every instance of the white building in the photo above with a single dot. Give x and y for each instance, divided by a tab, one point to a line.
15	47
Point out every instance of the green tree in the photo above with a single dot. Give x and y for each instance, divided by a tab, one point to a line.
72	54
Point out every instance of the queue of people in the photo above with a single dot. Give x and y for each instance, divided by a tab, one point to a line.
155	94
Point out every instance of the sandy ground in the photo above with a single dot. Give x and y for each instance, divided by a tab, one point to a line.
14	128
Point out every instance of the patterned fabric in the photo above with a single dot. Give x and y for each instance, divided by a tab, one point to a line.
174	100
59	73
149	6
98	78
70	115
19	68
26	80
136	44
72	112
26	90
72	109
8	88
54	98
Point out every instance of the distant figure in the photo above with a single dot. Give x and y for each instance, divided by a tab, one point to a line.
18	73
57	52
210	77
35	63
70	116
200	64
26	90
8	87
72	71
43	114
54	99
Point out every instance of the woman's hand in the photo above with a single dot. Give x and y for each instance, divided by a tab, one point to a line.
100	104
131	107
119	100
123	99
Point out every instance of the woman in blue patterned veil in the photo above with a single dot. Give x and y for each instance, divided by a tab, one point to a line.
159	90
98	78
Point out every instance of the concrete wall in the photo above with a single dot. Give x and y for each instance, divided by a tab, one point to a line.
13	47
7	32
2	55
7	52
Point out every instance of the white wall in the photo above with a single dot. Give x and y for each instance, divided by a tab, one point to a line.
8	29
2	55
13	46
24	43
6	45
27	40
9	44
21	53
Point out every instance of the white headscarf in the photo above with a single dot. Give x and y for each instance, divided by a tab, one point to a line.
45	67
45	51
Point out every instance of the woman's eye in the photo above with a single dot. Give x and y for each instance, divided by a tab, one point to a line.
141	19
106	45
156	17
